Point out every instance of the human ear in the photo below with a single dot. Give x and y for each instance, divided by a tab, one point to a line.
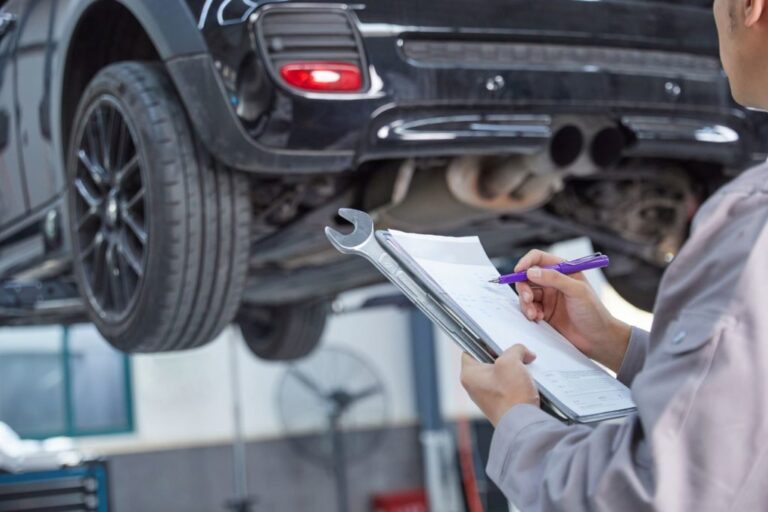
754	12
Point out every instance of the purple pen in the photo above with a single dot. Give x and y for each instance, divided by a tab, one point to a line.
597	260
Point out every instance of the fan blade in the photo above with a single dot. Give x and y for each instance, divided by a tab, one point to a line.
366	393
309	383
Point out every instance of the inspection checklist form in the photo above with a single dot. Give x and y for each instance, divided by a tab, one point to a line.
460	269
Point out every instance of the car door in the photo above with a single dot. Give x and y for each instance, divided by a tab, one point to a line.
13	196
35	50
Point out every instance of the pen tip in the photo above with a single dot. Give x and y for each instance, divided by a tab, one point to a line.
495	281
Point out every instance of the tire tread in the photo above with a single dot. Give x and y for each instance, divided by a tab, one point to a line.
199	278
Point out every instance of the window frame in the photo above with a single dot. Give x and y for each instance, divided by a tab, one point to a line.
70	429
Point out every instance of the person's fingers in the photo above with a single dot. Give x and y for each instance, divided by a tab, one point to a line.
554	279
530	301
467	361
471	371
528	293
530	310
467	365
528	355
536	258
525	292
471	365
520	353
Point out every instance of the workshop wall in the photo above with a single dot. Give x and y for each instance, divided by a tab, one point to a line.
201	479
179	459
184	399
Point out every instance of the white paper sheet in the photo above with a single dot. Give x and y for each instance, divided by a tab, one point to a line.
461	268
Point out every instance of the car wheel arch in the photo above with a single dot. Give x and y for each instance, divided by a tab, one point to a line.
148	20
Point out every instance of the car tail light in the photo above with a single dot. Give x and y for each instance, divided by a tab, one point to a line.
323	76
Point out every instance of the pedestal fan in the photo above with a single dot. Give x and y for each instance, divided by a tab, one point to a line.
337	392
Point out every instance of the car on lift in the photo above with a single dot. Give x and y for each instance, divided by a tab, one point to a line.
167	166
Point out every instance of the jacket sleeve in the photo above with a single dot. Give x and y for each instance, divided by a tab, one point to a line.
708	433
541	464
634	359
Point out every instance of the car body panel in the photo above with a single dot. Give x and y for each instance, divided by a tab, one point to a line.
13	191
169	25
418	90
33	57
203	42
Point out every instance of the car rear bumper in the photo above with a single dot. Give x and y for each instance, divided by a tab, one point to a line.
437	91
652	133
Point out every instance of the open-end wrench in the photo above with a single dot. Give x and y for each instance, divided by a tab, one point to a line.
363	242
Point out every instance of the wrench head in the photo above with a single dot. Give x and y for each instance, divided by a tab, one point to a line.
362	232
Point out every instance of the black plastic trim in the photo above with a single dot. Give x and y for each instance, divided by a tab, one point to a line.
311	16
205	99
525	56
170	26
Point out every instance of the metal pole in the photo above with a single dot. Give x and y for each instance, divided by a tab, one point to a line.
438	445
339	462
242	502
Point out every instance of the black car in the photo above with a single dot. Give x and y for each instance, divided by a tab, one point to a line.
166	166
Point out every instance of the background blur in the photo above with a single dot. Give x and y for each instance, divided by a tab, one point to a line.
164	422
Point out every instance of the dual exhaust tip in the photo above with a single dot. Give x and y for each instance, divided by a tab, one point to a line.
578	147
604	149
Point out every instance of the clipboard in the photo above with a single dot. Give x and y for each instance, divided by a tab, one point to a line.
383	251
439	303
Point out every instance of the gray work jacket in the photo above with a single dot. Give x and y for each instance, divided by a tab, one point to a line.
699	439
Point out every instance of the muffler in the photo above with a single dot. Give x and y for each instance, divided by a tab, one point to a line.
512	184
579	147
473	187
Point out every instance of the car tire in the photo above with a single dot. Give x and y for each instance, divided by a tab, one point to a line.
180	283
284	332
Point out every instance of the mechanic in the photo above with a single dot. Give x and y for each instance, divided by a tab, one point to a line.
699	439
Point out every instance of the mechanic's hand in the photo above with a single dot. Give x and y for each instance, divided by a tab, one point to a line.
498	387
571	306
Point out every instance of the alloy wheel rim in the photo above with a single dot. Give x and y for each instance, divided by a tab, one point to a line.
111	230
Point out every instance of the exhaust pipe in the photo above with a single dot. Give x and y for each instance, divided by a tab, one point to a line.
525	182
584	146
473	185
512	184
607	146
567	146
579	147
